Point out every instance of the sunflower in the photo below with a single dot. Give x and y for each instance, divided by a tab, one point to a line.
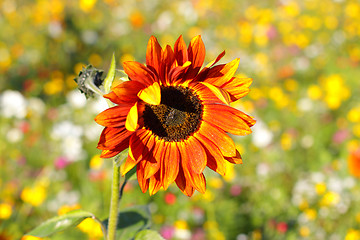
174	117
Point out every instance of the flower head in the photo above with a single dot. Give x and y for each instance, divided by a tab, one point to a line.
174	116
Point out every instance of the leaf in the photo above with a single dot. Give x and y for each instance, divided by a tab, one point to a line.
110	75
130	173
131	221
60	223
148	235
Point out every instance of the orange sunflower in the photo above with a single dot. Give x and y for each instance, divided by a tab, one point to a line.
174	117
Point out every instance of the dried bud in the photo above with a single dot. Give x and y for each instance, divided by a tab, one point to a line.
89	81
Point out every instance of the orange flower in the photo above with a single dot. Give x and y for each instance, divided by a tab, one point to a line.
354	163
175	118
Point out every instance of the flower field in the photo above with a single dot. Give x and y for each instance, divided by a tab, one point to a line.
301	164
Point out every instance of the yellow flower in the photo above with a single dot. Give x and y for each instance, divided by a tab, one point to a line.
310	213
96	162
352	234
330	199
34	196
181	224
290	85
66	208
87	5
354	114
28	237
91	227
216	183
304	231
320	188
5	210
286	141
314	92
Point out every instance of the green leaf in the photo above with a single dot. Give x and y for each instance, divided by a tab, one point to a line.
110	75
60	223
131	221
148	235
130	173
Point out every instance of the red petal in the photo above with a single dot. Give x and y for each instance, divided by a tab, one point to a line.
128	165
138	149
180	51
229	119
177	74
196	53
183	184
153	161
204	93
219	138
215	159
236	160
196	180
143	183
221	74
138	72
170	165
114	138
196	155
154	184
113	117
125	92
154	54
237	87
109	153
167	64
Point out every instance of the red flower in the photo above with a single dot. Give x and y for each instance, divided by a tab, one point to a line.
174	117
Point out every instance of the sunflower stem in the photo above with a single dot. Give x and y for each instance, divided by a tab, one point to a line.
114	204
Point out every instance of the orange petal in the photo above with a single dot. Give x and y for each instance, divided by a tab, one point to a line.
180	51
176	74
112	138
236	160
143	183
153	161
128	165
131	123
109	153
151	94
237	87
125	92
167	64
183	184
229	119
113	117
219	138
221	74
196	180
215	159
154	54
138	72
196	155
204	93
137	145
218	92
196	53
170	165
154	184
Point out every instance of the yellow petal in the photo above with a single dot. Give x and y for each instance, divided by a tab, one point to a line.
151	94
131	123
220	93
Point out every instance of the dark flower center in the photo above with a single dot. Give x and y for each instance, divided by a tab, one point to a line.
178	115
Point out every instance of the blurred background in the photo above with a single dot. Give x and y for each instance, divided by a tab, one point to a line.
301	165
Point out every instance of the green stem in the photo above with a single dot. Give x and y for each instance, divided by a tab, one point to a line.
114	204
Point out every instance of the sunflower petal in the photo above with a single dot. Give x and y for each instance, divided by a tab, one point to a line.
154	54
221	74
183	184
128	165
215	159
153	162
143	182
170	167
237	87
180	51
196	155
125	92
154	184
236	160
212	133
138	72
196	180
218	92
151	94
113	117
109	153
196	54
137	145
176	74
131	123
111	138
167	64
230	120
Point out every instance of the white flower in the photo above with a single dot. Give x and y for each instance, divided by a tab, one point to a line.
12	104
261	136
